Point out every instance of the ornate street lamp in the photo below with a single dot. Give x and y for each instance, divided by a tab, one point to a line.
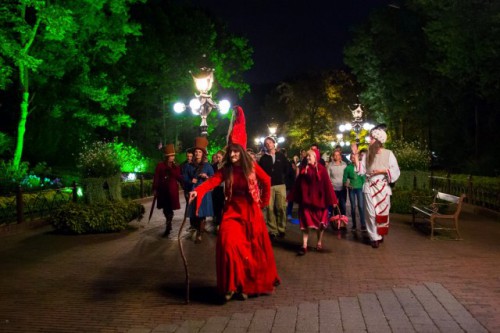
273	128
356	124
273	132
203	104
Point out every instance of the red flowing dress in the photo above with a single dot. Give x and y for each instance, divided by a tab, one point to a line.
244	255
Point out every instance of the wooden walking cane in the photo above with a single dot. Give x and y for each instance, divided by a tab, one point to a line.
179	239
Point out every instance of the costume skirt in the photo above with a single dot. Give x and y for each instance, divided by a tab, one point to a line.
313	217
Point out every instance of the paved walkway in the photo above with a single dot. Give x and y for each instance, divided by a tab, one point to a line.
133	281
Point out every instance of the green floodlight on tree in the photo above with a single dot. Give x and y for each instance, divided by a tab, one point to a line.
203	104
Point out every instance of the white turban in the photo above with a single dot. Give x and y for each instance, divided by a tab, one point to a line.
379	134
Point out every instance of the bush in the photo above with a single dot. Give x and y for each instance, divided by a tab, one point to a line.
411	155
402	200
10	177
132	190
6	142
98	160
130	158
107	217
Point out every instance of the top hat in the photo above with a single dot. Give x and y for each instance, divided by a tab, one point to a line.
169	149
201	143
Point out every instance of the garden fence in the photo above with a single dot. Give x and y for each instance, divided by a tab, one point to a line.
21	205
478	191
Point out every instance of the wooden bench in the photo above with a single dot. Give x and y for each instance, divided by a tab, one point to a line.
444	207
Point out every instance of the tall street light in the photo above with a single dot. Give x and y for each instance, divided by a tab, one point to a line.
355	125
203	104
273	132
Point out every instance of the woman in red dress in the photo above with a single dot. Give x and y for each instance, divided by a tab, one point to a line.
244	255
314	193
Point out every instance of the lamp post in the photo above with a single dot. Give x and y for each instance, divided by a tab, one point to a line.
203	104
273	132
355	125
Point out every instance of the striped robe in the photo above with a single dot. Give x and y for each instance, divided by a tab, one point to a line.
378	192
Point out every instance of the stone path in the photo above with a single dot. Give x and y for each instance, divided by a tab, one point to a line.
133	281
422	308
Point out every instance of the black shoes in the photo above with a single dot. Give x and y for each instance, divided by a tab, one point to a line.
168	228
376	244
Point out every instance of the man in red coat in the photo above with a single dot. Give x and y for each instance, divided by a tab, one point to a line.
166	188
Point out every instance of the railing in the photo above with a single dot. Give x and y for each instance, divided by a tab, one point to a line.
484	194
30	205
23	205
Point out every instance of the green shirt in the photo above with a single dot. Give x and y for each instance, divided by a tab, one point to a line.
355	181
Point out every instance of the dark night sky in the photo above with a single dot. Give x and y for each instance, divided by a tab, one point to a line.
295	36
288	38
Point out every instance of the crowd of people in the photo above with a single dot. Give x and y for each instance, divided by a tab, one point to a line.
250	198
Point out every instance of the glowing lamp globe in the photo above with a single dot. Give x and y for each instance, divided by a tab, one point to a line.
368	126
179	107
204	83
272	129
195	105
224	106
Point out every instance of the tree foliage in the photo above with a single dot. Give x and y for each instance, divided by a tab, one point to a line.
70	46
174	42
429	70
314	106
93	70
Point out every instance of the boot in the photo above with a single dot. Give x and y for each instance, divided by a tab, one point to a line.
197	239
202	226
168	228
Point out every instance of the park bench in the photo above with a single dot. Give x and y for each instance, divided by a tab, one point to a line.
442	213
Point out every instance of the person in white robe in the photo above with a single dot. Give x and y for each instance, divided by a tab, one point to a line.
381	169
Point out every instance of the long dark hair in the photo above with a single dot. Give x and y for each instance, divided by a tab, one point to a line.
199	166
372	151
246	163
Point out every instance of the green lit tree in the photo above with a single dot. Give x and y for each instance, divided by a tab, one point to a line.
72	42
174	40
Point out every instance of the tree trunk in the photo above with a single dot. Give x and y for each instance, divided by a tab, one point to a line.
21	129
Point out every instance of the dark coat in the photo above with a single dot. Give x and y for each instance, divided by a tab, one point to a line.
278	170
165	183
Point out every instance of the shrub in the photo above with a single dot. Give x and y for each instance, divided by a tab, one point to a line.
42	169
132	190
130	158
6	142
10	177
98	160
106	217
411	155
402	200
